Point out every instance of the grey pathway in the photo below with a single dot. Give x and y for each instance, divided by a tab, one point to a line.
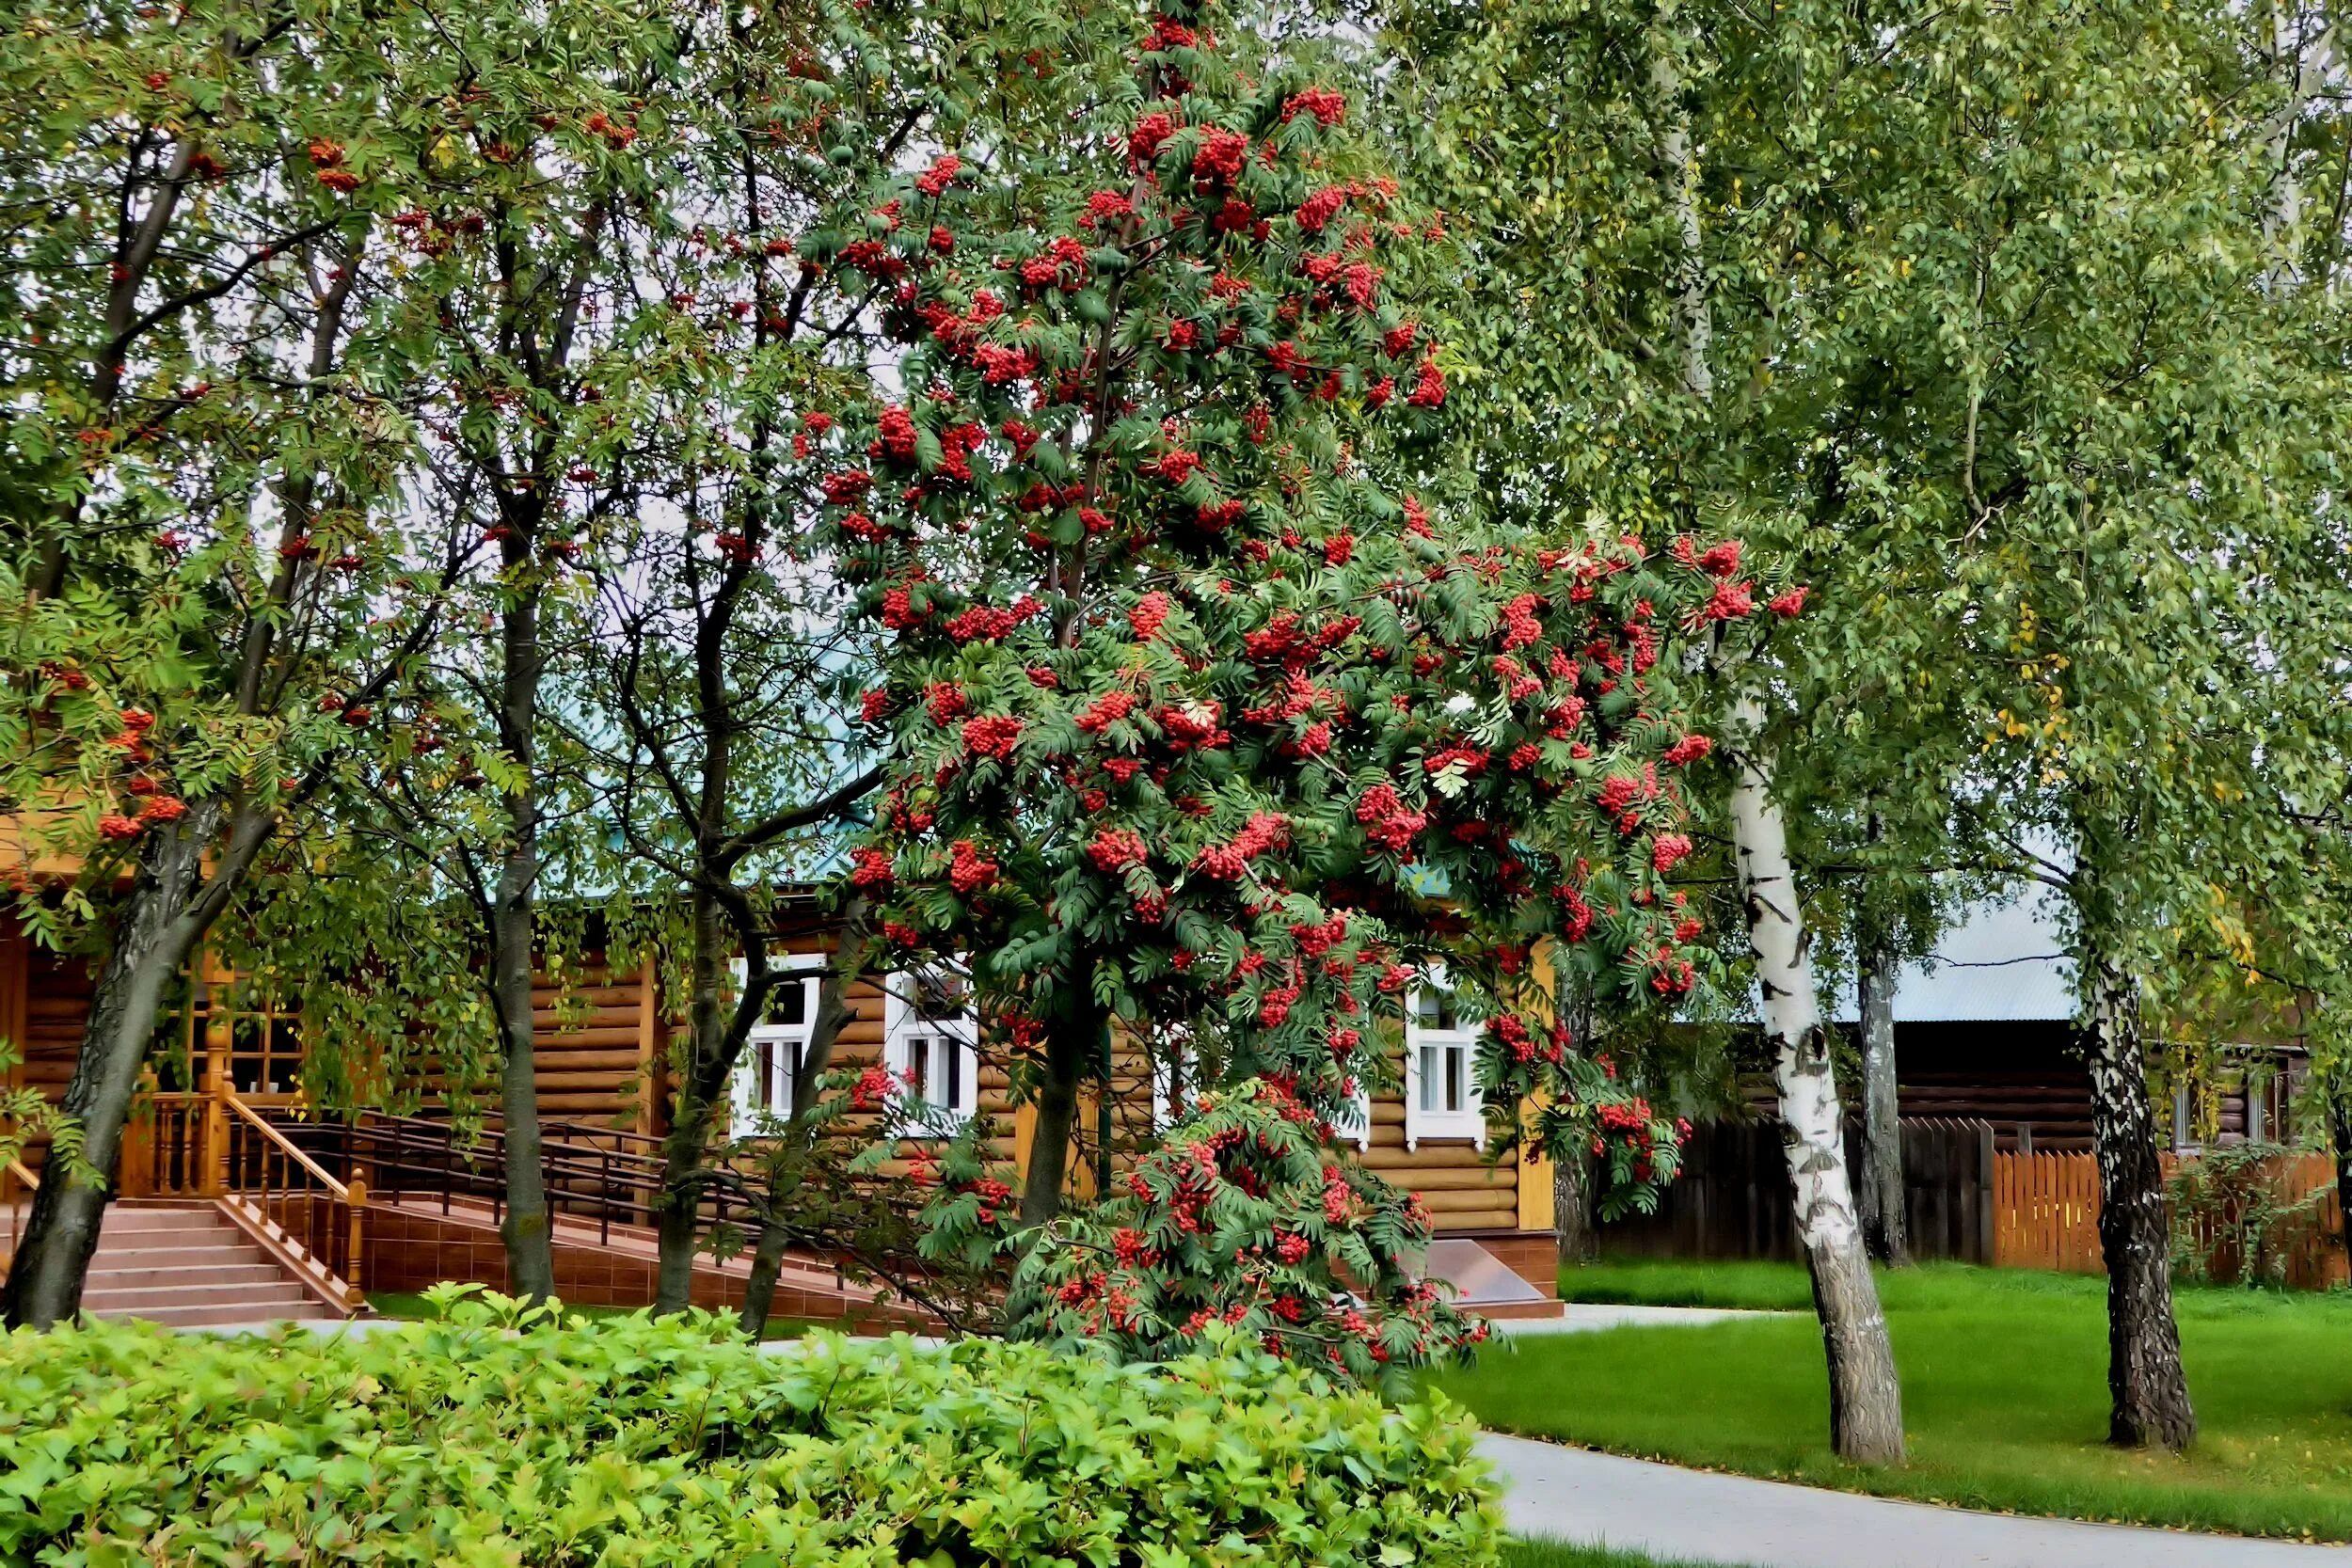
1669	1512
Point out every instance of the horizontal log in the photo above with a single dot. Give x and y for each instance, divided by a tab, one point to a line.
609	999
1464	1202
545	1040
1479	1219
615	1063
1439	1180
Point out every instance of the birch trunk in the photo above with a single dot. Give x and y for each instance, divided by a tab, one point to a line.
2146	1385
1866	1419
1884	1224
1865	1402
2340	1138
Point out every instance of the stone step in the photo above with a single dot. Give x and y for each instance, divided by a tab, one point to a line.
218	1315
268	1300
107	1276
125	1221
115	1259
177	1239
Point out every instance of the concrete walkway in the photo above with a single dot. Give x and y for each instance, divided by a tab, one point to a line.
1596	1499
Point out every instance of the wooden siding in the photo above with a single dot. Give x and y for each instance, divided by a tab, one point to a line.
590	1044
601	1039
1459	1188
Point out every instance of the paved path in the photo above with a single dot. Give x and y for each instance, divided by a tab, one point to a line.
1571	1495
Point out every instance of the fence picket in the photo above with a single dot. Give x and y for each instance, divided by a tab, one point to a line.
2046	1216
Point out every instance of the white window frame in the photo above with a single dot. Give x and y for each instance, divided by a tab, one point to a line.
902	1027
1177	1040
1354	1125
1469	1119
789	1041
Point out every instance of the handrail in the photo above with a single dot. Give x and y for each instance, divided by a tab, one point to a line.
31	1183
341	1191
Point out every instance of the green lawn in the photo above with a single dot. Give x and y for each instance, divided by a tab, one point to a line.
409	1305
2004	1387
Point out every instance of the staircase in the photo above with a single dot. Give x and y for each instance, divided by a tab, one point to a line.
186	1265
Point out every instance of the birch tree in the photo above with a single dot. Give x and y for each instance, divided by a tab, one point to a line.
1622	362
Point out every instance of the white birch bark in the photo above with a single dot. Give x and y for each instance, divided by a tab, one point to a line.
1866	1400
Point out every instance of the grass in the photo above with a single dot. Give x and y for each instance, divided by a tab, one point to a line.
2003	1394
1673	1282
410	1307
1559	1554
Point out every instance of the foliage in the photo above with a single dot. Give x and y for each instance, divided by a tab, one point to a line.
505	1434
1243	1217
2232	1221
26	1117
2005	1397
2054	455
1195	727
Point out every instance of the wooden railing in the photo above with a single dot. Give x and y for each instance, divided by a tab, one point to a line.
14	1180
595	1175
306	1207
171	1144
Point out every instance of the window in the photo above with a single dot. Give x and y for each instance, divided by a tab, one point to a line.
1356	1125
770	1069
1174	1073
1441	1099
929	1039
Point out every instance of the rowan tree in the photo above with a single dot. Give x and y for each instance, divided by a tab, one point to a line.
1197	731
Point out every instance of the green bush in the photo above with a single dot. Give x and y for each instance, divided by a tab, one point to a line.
501	1435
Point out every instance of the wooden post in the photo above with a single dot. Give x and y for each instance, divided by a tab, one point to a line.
215	1181
355	1266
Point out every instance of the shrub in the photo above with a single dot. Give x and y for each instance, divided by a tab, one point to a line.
2233	1221
504	1435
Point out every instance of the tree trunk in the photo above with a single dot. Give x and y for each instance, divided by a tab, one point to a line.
2146	1385
1864	1398
713	1043
1572	1208
528	1230
2340	1136
1071	1045
760	1291
1883	1219
153	940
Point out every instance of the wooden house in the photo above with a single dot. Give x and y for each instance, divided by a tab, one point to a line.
283	1198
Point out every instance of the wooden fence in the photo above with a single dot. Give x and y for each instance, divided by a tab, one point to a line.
2047	1209
1732	1200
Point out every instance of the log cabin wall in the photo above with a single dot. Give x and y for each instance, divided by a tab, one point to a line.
45	1004
595	1044
1461	1191
601	1035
